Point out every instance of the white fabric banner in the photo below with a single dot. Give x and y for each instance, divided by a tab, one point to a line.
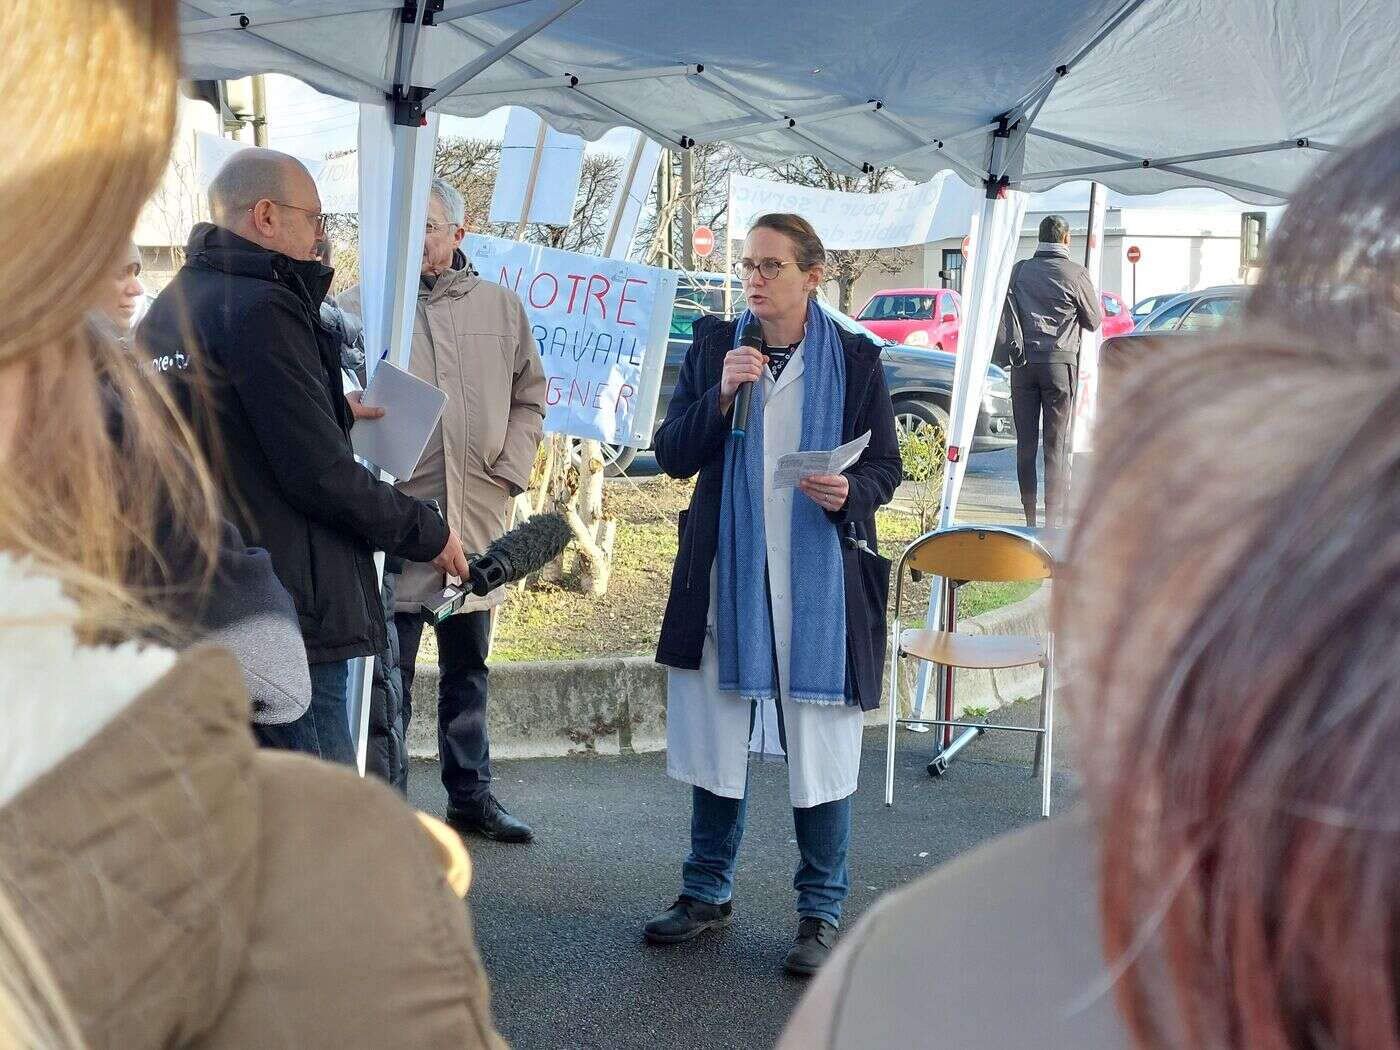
843	220
1086	398
555	184
337	179
601	325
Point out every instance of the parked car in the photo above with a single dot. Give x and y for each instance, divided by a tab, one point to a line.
1200	311
1116	318
920	378
915	316
1143	307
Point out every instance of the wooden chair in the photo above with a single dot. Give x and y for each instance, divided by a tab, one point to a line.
960	555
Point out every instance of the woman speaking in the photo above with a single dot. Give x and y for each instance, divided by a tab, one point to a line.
778	594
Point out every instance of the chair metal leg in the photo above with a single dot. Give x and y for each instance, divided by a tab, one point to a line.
1049	735
1040	739
894	715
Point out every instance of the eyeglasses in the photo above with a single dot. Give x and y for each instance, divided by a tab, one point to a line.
318	218
770	268
433	227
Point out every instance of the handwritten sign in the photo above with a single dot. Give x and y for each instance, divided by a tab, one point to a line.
601	325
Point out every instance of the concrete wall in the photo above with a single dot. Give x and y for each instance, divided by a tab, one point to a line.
618	705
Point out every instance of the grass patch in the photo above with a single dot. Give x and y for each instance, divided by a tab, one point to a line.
556	623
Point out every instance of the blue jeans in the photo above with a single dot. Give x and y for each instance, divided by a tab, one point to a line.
823	837
324	731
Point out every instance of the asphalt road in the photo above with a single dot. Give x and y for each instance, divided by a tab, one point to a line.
559	922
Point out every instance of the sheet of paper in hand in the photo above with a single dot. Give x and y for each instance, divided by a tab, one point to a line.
795	466
394	442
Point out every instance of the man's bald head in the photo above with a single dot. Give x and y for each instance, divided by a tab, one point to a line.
268	198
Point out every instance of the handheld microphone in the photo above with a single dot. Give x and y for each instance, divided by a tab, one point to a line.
752	337
524	549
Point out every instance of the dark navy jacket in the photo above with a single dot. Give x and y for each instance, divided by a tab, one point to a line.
691	440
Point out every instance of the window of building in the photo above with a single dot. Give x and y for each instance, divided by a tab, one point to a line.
952	271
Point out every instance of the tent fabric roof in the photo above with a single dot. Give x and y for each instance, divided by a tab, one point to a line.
1145	79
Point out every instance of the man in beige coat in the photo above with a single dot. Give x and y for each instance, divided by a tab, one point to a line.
471	339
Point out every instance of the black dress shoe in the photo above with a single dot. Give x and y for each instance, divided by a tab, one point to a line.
687	918
488	817
815	940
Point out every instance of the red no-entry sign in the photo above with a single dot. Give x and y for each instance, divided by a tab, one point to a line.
1134	253
703	241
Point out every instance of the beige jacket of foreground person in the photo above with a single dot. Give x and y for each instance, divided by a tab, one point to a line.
191	891
998	949
472	340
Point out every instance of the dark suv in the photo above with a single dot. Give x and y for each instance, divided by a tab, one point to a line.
920	378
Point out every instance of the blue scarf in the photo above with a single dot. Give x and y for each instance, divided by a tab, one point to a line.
744	618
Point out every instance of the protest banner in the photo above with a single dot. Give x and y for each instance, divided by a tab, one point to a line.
842	220
601	325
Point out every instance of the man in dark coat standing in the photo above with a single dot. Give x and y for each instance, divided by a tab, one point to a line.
260	381
1055	299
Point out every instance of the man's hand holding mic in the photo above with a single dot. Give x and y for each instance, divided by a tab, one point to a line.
452	560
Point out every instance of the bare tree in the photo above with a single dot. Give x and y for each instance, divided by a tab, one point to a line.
711	166
847	266
177	204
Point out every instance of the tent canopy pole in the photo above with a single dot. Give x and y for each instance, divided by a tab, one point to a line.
282	16
573	80
1175	169
477	65
668	138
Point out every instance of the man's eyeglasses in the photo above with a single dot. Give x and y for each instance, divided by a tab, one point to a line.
433	227
318	218
770	268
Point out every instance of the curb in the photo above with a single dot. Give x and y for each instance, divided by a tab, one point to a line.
617	705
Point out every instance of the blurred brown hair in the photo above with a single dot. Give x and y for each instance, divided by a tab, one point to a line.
1229	613
87	104
1334	264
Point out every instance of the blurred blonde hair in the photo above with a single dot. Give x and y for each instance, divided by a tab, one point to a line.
98	459
32	1012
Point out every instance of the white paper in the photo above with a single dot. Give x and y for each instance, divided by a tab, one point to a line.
395	442
795	466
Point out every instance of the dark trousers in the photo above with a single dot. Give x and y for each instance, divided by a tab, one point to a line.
324	731
1042	396
464	751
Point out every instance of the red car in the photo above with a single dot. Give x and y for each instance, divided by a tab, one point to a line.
915	316
932	316
1117	318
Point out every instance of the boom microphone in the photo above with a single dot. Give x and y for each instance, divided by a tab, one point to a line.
524	549
751	337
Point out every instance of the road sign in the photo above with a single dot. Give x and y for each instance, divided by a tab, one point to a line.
1134	253
967	243
703	241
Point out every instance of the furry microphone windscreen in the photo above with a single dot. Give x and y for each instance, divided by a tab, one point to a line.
524	549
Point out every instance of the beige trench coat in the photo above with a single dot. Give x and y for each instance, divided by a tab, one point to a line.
472	340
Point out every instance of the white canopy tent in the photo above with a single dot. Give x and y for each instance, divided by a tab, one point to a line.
1140	95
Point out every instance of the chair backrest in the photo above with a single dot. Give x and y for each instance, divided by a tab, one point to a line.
986	553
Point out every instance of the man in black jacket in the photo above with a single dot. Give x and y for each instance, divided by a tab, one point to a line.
1055	299
260	380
